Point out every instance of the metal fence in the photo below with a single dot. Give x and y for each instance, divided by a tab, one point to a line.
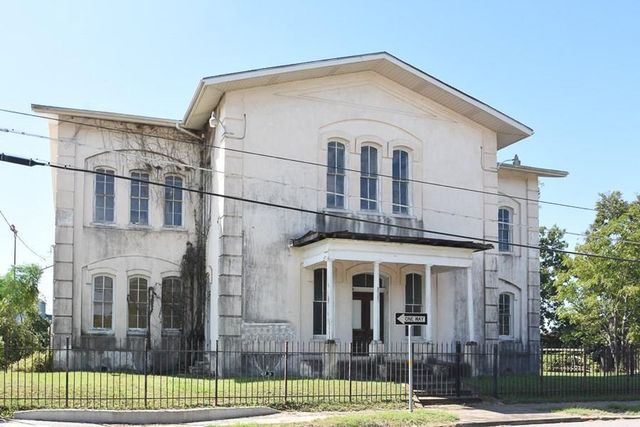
287	373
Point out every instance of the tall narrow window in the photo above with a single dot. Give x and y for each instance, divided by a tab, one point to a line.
102	302
139	210
320	301
504	230
400	182
171	303
173	201
104	196
138	303
505	316
413	298
335	175
369	178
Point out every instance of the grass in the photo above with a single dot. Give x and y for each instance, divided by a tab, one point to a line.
609	409
127	391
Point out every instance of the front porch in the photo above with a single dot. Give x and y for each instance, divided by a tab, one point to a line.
359	281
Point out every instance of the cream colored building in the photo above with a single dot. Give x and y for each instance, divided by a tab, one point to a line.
402	207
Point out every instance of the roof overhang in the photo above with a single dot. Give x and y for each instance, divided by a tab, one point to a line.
211	89
103	115
546	173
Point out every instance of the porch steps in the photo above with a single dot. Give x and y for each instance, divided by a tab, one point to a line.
430	400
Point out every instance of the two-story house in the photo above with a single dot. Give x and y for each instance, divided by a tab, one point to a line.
319	199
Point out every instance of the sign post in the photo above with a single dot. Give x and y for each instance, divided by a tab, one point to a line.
410	320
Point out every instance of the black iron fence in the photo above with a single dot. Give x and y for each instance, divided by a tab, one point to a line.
272	373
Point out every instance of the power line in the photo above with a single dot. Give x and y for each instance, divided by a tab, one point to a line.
318	190
15	232
30	162
300	161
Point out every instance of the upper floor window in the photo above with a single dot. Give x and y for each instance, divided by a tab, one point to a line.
400	182
171	303
139	210
138	302
413	298
320	301
505	315
102	302
369	178
104	196
173	201
335	175
505	229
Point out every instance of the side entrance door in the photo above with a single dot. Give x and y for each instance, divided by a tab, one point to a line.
362	321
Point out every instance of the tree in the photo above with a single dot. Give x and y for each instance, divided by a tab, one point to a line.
600	297
22	329
552	263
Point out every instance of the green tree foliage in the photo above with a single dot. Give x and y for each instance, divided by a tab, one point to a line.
600	298
552	263
22	329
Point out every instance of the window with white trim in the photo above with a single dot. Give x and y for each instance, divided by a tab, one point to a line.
400	182
335	174
320	301
139	204
413	299
173	201
138	302
505	229
172	303
369	178
102	302
104	208
505	315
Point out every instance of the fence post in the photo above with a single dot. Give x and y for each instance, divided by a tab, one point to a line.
495	370
350	362
66	376
286	363
458	368
215	398
145	371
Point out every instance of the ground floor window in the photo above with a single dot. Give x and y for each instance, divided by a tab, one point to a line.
505	315
138	302
171	303
102	302
320	301
413	299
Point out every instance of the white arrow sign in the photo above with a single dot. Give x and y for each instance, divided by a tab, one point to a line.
411	318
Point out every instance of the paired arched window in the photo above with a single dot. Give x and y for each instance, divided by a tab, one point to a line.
413	298
369	178
104	196
138	302
400	182
335	174
505	315
172	303
505	229
139	204
173	201
320	301
102	302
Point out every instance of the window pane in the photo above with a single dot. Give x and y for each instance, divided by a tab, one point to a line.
319	301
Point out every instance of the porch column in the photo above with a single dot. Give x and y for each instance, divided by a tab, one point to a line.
331	302
470	311
427	304
376	301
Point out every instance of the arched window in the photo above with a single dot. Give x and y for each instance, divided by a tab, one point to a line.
171	303
400	182
173	201
335	175
102	302
139	209
138	302
365	280
369	178
104	208
413	298
505	229
505	315
320	301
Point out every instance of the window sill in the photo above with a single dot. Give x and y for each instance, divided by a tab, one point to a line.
337	210
104	332
103	224
402	216
171	332
174	228
137	332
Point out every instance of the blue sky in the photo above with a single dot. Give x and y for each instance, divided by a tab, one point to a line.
569	70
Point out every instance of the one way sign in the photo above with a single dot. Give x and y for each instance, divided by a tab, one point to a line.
411	318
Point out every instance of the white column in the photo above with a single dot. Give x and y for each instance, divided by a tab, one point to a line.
331	302
376	301
427	302
470	311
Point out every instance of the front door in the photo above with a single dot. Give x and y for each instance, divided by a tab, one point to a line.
362	320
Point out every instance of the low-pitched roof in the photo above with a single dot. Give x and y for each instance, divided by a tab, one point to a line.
211	89
316	236
103	115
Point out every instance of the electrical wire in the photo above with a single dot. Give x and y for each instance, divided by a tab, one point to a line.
15	233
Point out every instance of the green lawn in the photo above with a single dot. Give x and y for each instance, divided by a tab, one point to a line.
127	390
609	409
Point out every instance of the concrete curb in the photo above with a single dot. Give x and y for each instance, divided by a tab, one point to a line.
168	416
547	420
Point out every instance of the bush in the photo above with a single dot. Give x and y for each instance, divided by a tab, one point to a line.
40	361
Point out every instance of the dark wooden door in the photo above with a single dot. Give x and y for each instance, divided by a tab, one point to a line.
363	335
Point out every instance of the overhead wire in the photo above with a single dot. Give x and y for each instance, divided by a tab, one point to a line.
15	233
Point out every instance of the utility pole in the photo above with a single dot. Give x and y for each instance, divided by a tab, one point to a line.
15	237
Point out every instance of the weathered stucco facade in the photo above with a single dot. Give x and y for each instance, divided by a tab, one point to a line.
263	279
